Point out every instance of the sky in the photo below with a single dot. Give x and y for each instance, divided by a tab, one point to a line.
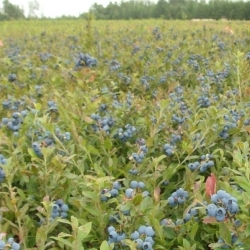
56	8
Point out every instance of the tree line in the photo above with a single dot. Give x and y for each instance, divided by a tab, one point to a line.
173	9
145	9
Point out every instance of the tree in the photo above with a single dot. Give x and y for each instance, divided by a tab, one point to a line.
161	8
33	8
12	11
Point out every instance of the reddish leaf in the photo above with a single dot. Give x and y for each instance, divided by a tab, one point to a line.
46	199
228	30
211	185
157	192
197	186
2	235
209	220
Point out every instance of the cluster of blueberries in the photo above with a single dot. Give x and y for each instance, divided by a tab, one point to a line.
14	123
45	139
45	56
145	81
39	90
234	240
231	121
203	101
178	197
10	243
223	204
13	104
177	119
85	60
52	106
143	149
248	56
114	65
124	78
168	149
204	164
59	210
143	237
108	193
102	123
12	77
134	185
126	133
3	161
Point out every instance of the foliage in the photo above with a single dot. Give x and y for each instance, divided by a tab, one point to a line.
12	11
173	9
116	130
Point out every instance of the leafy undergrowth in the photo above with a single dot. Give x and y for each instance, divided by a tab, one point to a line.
124	135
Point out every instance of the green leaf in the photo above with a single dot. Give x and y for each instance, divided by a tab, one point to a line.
32	153
38	106
217	246
87	119
71	176
21	193
85	229
126	206
169	232
247	231
93	196
104	246
92	210
170	171
243	183
158	159
108	144
93	150
62	235
158	228
80	236
194	230
24	210
186	244
65	242
225	233
64	221
41	237
74	221
137	199
237	157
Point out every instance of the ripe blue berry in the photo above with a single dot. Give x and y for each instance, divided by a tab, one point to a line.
135	235
141	184
111	228
142	229
147	246
15	246
149	231
134	184
129	193
65	208
2	244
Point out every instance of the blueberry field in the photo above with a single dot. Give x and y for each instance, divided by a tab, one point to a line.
124	135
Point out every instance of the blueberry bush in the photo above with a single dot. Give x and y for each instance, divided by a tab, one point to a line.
124	135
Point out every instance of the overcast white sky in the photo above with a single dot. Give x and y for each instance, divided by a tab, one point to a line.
55	8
